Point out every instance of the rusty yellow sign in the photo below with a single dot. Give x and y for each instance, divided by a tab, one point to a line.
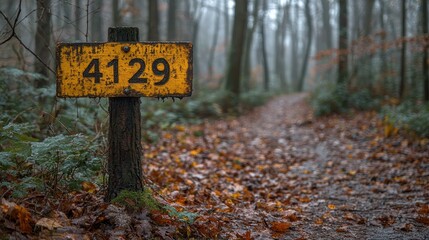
124	69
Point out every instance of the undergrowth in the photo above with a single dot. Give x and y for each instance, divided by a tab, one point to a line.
52	145
329	98
134	201
409	116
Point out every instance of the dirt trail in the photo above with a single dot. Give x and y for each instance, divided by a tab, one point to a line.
278	173
351	194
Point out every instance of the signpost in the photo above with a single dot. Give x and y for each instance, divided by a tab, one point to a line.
124	69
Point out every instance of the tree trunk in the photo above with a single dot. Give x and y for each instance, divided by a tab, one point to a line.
236	49
96	22
117	20
280	36
343	43
309	44
43	40
77	19
226	27
403	49
327	27
247	54
171	34
369	6
153	33
294	26
214	44
424	8
124	162
263	47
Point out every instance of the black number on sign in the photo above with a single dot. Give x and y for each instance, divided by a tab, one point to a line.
96	74
136	77
165	72
114	63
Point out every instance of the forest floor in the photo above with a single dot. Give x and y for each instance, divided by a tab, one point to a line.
275	173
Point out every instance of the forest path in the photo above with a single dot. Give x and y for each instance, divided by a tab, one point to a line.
279	173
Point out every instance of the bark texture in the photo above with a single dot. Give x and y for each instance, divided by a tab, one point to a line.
124	162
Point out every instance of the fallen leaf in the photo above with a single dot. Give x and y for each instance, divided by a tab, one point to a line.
89	187
407	227
48	223
331	206
423	210
342	229
319	221
24	218
280	227
424	220
386	220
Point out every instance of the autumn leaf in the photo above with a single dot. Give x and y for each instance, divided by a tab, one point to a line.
48	223
280	227
423	210
24	218
332	206
424	220
386	220
89	187
319	221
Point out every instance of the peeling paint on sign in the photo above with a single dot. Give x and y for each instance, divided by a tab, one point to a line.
124	69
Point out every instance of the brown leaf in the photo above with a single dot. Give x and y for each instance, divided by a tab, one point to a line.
24	218
342	229
89	187
386	220
424	220
280	227
423	210
160	219
48	223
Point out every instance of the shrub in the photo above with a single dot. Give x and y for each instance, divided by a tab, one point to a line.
362	100
409	116
65	161
329	98
254	99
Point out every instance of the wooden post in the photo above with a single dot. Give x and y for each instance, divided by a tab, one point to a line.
124	160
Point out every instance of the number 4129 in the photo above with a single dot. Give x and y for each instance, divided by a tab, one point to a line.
93	70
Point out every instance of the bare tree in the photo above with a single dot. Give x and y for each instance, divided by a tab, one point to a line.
404	47
248	46
308	47
263	46
214	42
96	23
424	9
153	34
171	31
77	19
236	49
43	39
280	36
343	42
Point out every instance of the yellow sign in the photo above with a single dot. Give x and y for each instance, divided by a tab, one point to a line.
124	69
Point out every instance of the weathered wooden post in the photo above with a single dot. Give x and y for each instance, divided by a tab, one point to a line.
124	161
124	69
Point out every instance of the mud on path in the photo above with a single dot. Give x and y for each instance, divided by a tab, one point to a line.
279	173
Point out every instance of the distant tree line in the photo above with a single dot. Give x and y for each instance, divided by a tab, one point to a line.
245	45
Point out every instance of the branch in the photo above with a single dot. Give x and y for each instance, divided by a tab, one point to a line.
13	34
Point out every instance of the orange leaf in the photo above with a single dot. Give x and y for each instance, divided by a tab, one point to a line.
424	220
24	218
280	227
89	187
424	209
331	206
